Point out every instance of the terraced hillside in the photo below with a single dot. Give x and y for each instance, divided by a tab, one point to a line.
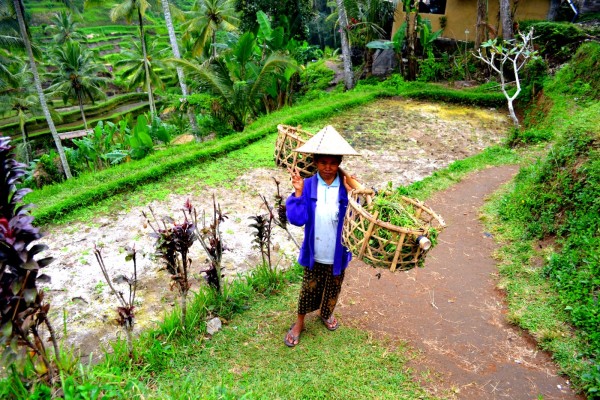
108	40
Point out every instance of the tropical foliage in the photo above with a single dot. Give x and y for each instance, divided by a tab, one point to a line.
64	28
205	19
18	95
128	10
292	16
247	78
19	11
142	66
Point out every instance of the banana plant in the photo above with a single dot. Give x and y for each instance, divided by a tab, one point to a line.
267	37
104	146
396	44
427	36
139	140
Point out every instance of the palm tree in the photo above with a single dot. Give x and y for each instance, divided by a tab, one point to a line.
76	76
9	39
142	66
64	28
19	9
19	95
343	23
129	9
177	56
206	18
240	78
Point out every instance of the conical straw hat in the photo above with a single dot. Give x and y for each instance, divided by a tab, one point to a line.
327	141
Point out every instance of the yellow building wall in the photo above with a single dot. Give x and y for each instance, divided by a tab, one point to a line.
461	16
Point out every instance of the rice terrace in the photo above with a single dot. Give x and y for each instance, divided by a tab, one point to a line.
148	150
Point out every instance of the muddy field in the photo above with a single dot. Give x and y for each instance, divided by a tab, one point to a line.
400	141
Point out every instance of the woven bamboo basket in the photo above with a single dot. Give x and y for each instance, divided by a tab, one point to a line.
382	244
290	138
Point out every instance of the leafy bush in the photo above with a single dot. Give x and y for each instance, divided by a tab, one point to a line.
302	52
430	70
535	73
48	169
24	312
315	78
209	125
557	41
535	135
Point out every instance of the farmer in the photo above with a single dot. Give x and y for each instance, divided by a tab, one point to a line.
319	203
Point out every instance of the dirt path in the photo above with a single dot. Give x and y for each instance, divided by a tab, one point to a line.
451	310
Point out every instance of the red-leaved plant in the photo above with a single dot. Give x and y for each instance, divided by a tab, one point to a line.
23	311
209	236
173	242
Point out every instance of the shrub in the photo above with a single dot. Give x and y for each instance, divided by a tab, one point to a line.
24	312
303	52
315	77
48	169
535	73
536	135
557	41
430	70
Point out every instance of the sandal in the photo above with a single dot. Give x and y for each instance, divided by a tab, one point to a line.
290	343
331	323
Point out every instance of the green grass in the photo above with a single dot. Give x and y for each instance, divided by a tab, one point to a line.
248	357
195	181
532	300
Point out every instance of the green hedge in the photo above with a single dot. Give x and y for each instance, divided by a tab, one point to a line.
430	92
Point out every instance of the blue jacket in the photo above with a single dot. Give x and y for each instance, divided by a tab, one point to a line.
301	211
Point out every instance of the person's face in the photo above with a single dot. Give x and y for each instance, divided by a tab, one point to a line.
328	167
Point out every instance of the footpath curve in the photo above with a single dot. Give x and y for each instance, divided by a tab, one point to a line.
451	310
